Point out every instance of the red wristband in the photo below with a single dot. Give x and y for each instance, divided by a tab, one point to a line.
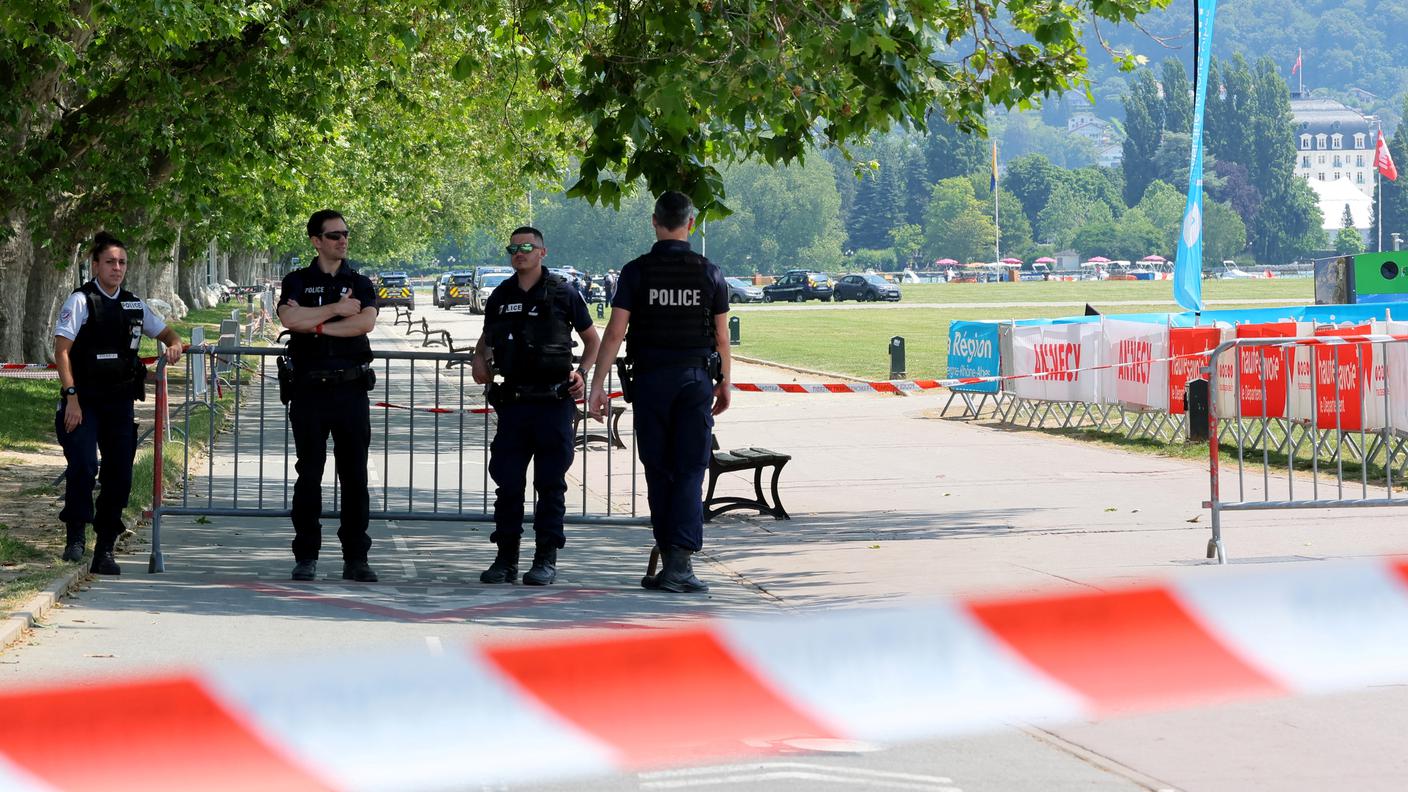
319	329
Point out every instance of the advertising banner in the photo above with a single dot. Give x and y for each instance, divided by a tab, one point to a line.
1055	353
1340	378
1182	342
973	351
1259	373
1135	381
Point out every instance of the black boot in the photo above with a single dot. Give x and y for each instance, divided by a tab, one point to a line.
103	562
505	566
74	544
544	569
676	574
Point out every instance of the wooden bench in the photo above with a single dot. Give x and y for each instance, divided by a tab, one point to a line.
739	460
613	428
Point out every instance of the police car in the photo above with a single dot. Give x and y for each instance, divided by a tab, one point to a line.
393	288
483	287
457	289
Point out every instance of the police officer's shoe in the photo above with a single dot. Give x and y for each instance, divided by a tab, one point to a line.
544	570
104	563
505	566
73	551
306	570
359	571
676	574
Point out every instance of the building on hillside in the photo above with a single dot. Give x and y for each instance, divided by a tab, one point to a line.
1333	143
1333	197
1101	133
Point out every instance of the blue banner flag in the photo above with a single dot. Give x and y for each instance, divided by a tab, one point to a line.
1188	265
973	352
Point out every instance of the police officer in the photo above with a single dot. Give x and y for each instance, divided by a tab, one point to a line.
671	308
95	351
329	308
528	324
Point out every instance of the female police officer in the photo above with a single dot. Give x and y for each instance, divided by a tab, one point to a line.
671	308
95	351
528	324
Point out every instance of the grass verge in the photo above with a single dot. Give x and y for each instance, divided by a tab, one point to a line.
27	409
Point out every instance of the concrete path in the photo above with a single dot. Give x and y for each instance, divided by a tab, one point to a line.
890	503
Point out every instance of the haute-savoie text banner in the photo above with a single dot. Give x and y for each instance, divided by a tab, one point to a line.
1184	341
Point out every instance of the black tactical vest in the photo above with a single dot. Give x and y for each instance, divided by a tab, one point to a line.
313	352
533	345
674	307
104	354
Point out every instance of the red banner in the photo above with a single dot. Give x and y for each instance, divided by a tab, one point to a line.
1186	341
1339	379
1264	370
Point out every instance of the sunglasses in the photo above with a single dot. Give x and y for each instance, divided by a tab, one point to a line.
522	247
335	236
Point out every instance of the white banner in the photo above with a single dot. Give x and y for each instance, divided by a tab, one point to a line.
1135	381
1055	353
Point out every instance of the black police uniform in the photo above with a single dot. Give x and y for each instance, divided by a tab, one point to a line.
531	335
673	295
331	379
109	377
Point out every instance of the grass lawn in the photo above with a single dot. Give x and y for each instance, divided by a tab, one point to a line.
27	409
856	342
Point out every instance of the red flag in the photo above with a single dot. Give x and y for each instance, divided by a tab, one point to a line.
1296	67
1383	160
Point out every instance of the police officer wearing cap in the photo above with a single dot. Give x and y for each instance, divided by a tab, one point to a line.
95	350
329	308
528	324
671	309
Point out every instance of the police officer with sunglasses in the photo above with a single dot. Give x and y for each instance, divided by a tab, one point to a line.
527	340
329	308
671	309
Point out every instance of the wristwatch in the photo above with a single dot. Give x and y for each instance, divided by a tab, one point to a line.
70	391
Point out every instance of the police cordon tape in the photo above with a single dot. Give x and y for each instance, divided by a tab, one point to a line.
631	700
897	386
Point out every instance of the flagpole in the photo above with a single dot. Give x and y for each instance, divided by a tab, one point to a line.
1379	186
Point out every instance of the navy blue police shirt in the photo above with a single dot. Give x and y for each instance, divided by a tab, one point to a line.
628	292
310	287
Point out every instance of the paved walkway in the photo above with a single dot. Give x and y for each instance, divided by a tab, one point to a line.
890	503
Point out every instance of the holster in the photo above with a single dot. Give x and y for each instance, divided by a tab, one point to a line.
285	369
716	367
626	374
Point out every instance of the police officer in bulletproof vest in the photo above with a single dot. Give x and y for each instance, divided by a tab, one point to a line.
328	309
528	324
95	351
671	309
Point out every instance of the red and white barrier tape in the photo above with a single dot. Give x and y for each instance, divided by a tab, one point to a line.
476	715
897	386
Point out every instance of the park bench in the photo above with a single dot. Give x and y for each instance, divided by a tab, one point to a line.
403	314
740	460
613	428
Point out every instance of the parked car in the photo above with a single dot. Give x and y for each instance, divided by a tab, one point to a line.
865	288
479	295
458	288
740	291
799	286
394	288
437	292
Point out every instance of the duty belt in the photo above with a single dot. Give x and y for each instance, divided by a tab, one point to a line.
688	361
332	377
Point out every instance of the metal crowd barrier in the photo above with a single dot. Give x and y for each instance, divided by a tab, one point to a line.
431	439
1358	412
